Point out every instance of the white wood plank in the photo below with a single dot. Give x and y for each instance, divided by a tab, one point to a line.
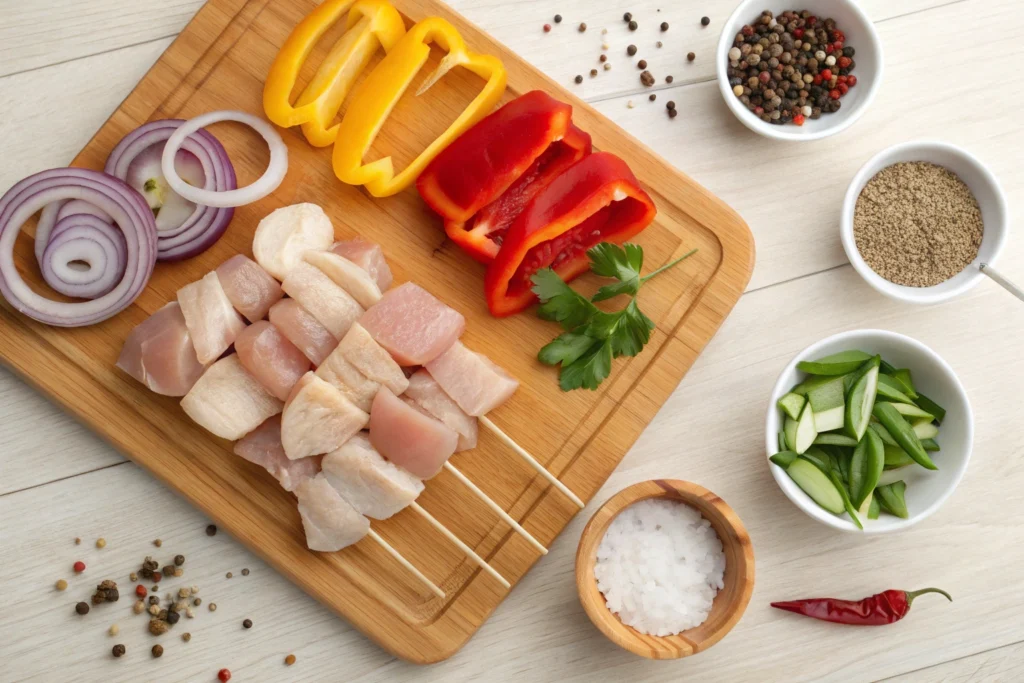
1002	664
38	34
40	442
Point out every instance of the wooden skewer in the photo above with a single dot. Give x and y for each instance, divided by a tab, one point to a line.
522	452
470	553
407	564
496	508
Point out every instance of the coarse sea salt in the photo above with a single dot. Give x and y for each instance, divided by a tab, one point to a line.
659	566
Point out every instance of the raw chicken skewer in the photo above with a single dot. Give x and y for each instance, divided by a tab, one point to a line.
263	447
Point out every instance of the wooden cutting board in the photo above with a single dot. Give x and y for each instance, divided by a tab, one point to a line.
219	62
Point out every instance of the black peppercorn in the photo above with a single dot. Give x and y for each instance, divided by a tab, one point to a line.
179	560
631	50
627	16
670	105
247	623
603	59
633	25
582	27
82	608
173	617
642	64
672	113
669	79
690	56
704	21
157	650
593	72
664	26
558	18
578	79
652	97
211	529
118	650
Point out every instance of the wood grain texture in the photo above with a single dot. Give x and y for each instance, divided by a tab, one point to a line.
219	62
730	602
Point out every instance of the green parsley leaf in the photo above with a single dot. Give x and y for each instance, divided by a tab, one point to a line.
566	349
593	337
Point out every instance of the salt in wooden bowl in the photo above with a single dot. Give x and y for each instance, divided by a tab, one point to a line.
729	604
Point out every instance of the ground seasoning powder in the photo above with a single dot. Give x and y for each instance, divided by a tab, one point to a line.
917	224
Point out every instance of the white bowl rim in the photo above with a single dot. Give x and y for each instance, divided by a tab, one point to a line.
772	434
916	295
781	132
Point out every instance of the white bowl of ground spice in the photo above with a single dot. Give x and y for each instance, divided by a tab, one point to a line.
918	220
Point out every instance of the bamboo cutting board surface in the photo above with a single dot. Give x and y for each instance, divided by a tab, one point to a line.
219	62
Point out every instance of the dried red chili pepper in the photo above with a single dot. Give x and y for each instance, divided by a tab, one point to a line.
883	608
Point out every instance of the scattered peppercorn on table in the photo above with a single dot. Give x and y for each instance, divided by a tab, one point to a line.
66	71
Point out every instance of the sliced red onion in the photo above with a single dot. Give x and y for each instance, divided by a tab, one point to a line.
89	240
129	212
184	229
210	195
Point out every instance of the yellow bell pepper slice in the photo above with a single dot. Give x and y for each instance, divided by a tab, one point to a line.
371	24
374	99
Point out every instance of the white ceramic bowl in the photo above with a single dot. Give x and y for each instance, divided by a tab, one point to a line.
926	490
975	175
860	34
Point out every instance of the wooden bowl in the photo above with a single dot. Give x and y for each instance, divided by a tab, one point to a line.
728	605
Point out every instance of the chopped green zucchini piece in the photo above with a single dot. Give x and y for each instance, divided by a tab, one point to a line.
783	458
791	404
817	485
892	389
884	433
836	364
851	509
875	508
910	410
931	406
835	440
827	402
929	445
903	376
866	467
783	444
896	457
805	432
892	498
904	434
858	404
925	429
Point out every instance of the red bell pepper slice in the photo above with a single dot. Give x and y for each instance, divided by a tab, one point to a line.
481	182
596	200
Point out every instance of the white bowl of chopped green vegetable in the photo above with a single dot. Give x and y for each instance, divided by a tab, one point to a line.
905	256
868	431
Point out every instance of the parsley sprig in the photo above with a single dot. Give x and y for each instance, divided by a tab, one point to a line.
592	337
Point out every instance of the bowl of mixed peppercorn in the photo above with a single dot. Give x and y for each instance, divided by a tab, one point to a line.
799	74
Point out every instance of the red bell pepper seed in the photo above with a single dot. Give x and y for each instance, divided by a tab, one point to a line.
79	567
851	80
834	94
140	591
224	675
797	33
827	74
798	119
843	88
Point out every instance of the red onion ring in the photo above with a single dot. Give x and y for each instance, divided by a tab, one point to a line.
127	208
89	239
177	240
210	196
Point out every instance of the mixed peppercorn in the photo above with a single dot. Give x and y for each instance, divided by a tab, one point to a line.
791	67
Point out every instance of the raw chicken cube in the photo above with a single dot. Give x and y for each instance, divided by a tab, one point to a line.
409	438
347	379
318	419
251	290
412	325
211	319
159	353
367	256
375	487
262	446
330	304
303	330
472	379
228	401
329	521
289	232
371	359
427	394
269	357
346	275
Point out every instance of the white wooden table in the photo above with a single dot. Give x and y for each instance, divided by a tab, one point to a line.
952	73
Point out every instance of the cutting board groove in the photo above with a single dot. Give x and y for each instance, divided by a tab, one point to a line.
218	62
